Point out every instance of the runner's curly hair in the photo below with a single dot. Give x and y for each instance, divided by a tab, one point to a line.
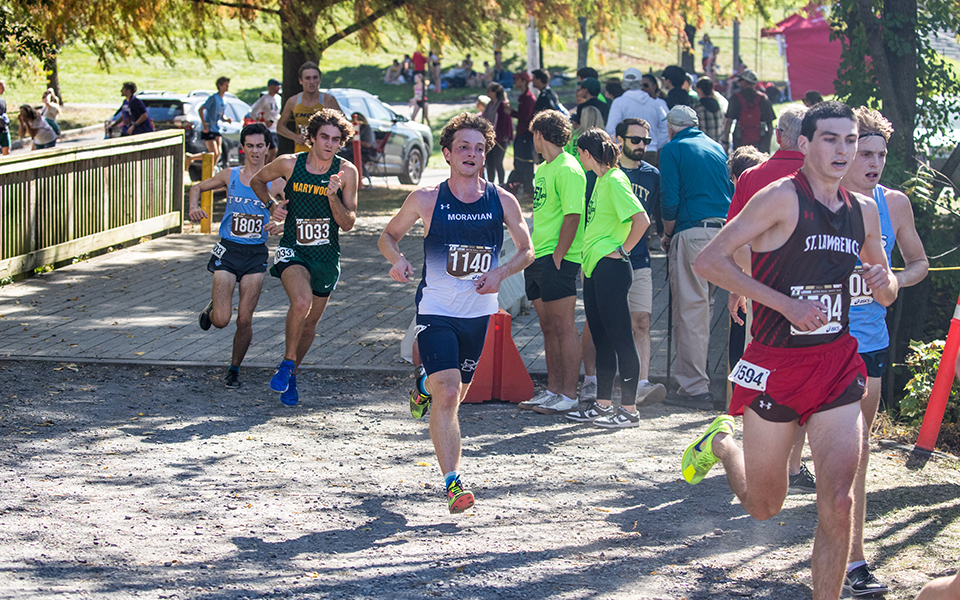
743	158
871	121
553	126
329	116
467	121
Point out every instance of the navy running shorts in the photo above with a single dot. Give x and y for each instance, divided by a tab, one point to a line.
239	259
876	362
451	343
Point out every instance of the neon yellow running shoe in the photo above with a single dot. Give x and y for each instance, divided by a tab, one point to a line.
419	402
458	498
698	458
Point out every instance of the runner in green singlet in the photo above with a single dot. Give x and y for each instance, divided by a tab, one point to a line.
320	199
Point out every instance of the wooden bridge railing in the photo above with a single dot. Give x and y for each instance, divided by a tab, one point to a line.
60	203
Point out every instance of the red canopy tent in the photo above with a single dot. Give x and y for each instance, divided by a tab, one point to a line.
812	59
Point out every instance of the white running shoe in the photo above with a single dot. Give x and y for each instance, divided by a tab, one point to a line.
542	397
619	420
588	392
651	393
558	404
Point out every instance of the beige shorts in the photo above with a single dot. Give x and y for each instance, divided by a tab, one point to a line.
640	296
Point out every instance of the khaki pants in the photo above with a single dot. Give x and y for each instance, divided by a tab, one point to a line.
692	308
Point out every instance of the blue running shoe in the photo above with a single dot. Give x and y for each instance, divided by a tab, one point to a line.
291	397
281	379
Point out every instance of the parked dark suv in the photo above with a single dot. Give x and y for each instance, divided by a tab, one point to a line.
408	143
181	111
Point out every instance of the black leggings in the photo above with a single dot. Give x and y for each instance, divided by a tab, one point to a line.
495	164
608	313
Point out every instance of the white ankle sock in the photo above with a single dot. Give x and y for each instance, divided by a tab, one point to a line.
855	564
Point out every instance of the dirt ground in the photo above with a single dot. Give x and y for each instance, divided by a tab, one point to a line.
135	482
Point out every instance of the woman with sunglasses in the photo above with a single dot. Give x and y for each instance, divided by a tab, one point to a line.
615	222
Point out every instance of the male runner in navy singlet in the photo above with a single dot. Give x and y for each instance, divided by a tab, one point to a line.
806	234
463	221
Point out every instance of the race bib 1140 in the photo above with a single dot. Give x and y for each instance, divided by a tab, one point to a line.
469	262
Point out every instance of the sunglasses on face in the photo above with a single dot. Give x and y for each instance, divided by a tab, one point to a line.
644	85
636	139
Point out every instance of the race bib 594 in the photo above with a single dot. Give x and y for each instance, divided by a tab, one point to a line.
831	296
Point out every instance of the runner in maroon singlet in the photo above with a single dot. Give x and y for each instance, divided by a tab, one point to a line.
805	234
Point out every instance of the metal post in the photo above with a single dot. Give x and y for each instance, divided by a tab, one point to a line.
206	198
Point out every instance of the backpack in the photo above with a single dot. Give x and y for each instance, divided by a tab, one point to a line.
749	120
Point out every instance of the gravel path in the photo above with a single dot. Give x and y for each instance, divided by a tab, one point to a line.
140	482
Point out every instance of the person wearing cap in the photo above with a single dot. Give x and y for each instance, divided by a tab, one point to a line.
266	110
521	179
695	192
591	87
635	103
753	113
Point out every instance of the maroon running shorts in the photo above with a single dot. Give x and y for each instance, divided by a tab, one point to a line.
787	384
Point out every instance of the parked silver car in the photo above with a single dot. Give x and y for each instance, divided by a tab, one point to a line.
406	144
169	110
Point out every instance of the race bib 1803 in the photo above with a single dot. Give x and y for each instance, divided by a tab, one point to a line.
860	293
469	262
749	376
313	232
246	226
831	296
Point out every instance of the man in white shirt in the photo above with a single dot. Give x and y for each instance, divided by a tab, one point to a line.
266	110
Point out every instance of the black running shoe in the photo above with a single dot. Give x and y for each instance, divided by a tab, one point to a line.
232	380
803	482
205	316
860	582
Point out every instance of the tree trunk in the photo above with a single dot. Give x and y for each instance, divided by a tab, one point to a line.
687	59
295	27
52	69
583	44
893	50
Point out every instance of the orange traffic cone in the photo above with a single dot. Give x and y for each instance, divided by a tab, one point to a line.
500	374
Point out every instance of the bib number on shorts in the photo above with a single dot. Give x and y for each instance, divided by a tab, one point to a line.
246	226
749	375
860	293
831	296
219	250
313	232
283	254
469	262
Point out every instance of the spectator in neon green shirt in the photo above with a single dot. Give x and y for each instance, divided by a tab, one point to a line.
551	281
615	222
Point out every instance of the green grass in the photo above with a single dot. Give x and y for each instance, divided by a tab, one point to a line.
345	64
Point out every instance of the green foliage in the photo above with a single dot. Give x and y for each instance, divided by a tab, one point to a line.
43	269
5	281
938	224
19	37
937	82
923	362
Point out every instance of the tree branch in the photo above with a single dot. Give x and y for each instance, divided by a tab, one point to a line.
240	5
361	23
